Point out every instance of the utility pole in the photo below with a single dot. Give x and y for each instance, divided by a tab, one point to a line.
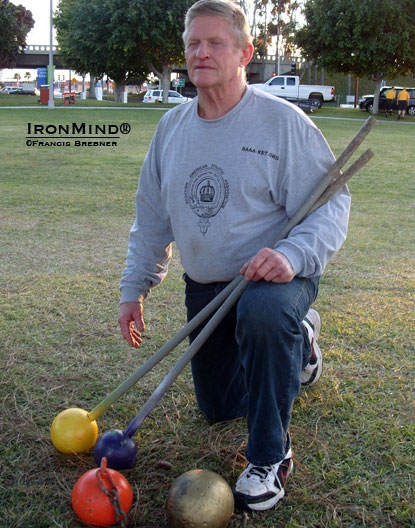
278	68
51	103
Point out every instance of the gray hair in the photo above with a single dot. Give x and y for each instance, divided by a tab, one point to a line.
221	8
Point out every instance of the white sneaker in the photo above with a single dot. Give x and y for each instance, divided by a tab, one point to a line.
312	371
259	488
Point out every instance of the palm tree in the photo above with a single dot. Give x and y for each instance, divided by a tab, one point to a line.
17	77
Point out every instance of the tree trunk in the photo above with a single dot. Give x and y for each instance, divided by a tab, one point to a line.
118	91
92	87
165	82
164	77
378	80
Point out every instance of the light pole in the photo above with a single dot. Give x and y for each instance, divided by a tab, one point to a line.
51	103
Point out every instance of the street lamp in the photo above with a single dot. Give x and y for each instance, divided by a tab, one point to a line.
51	103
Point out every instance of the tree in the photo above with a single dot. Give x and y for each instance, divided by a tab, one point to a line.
367	39
283	24
160	24
269	19
93	36
123	40
15	24
259	25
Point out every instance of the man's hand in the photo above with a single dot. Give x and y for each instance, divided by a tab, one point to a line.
130	313
269	265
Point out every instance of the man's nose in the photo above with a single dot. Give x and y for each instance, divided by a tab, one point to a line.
203	50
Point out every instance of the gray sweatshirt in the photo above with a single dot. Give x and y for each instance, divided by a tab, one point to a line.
222	189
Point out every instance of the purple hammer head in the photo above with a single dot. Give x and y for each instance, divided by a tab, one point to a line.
119	449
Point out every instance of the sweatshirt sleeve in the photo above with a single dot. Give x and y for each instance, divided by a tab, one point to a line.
150	239
312	243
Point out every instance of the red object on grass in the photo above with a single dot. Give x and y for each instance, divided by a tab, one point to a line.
102	496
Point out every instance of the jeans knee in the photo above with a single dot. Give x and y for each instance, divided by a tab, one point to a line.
257	311
250	314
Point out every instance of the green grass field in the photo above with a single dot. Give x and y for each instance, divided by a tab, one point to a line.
64	221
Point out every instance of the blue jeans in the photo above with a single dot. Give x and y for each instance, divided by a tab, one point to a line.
251	364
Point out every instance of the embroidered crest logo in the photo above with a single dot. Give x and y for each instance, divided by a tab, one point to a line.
206	193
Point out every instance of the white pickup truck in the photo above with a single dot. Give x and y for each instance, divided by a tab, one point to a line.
289	87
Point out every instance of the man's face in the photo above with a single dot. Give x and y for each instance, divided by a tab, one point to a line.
213	59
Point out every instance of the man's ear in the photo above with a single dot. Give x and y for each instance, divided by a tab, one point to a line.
247	53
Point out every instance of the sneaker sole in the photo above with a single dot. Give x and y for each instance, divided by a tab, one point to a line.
317	371
313	318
